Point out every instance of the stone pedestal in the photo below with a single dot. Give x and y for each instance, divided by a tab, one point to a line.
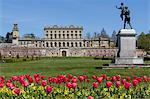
127	48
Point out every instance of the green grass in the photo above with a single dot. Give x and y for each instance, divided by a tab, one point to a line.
75	66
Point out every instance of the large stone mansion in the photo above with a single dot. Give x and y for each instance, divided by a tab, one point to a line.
58	41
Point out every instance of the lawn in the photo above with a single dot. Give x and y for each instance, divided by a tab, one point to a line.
75	66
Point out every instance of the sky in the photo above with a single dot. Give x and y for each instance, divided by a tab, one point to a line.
33	15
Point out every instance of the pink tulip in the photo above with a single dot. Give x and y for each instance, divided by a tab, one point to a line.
74	85
90	97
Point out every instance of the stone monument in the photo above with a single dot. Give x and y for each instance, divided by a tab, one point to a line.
127	41
127	48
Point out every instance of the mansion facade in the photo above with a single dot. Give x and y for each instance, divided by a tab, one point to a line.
58	41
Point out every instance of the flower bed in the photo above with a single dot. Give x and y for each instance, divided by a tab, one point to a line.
69	86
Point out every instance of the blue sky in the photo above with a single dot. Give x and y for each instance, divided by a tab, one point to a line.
93	15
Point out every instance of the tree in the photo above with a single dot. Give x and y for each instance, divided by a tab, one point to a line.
104	34
143	41
114	37
88	35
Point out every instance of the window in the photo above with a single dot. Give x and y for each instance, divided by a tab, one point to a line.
47	35
71	44
80	44
63	35
72	35
59	44
51	44
76	35
55	31
59	35
51	31
55	36
71	31
46	44
55	44
80	35
67	44
75	31
63	44
47	31
63	31
67	31
59	31
68	36
76	44
51	36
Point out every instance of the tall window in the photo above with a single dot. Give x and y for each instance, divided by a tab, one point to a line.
46	44
67	36
72	35
55	44
67	44
63	44
59	35
80	35
80	44
55	36
63	35
71	44
51	36
76	35
59	44
51	44
76	44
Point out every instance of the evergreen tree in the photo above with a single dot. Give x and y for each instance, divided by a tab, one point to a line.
103	33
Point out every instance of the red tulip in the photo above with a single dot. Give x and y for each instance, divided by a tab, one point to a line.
88	80
118	77
123	81
74	80
108	84
145	78
95	84
44	83
14	78
118	84
81	78
94	77
49	89
43	77
10	85
17	91
69	85
113	79
99	79
90	97
2	85
127	85
135	82
128	78
70	76
104	76
25	83
139	79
